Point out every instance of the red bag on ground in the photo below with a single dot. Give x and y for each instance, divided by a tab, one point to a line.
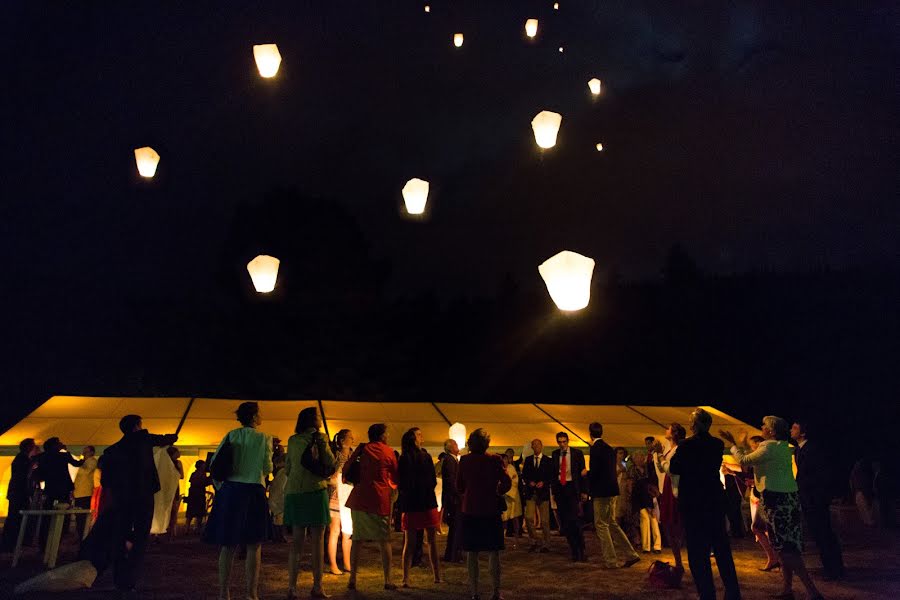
663	576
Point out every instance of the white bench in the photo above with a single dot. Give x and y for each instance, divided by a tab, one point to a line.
57	517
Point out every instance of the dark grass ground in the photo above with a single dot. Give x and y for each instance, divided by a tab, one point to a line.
186	569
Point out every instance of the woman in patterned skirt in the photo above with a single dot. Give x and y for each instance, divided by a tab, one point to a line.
774	478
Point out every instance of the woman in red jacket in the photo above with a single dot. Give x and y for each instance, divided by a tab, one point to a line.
482	481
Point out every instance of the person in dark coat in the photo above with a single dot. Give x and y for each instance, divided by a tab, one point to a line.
537	474
570	489
701	500
53	470
814	472
19	491
416	481
450	501
128	475
604	489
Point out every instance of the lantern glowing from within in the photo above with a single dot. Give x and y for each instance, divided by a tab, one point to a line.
268	59
556	6
147	160
427	8
599	147
458	40
560	49
531	27
415	195
545	126
264	272
458	434
568	279
594	84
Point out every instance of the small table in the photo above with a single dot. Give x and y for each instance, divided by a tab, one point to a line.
57	516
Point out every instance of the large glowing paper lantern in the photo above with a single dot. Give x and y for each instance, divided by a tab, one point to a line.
458	40
427	8
556	6
568	279
458	434
415	195
599	147
594	84
268	59
264	272
545	126
531	27
147	160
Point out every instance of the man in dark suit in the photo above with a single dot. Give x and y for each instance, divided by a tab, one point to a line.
701	501
53	470
129	475
19	492
570	490
604	488
450	502
537	473
814	481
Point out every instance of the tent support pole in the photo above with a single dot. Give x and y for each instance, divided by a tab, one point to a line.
440	412
560	423
646	417
184	416
324	420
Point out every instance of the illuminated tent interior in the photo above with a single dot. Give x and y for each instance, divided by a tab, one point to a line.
82	420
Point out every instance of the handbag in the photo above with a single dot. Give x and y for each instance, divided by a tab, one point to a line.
223	463
312	460
663	576
353	471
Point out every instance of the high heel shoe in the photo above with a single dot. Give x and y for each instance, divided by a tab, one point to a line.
771	567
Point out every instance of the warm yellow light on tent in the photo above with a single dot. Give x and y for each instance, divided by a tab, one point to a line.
546	125
599	147
268	59
458	434
415	195
427	8
147	160
594	84
568	279
458	40
531	27
264	272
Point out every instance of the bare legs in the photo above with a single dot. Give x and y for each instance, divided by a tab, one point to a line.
408	540
408	546
761	531
792	562
317	540
334	532
251	570
493	568
386	557
675	534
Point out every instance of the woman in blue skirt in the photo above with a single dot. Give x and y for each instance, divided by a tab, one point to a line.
306	504
240	510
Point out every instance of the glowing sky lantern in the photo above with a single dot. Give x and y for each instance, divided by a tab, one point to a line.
147	160
568	279
264	272
415	195
561	49
556	6
594	85
599	147
458	434
545	126
427	8
268	59
531	27
458	40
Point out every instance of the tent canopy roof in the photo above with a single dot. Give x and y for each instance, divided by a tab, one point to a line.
85	420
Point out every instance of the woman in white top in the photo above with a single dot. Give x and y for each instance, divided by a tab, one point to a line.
773	476
240	511
669	515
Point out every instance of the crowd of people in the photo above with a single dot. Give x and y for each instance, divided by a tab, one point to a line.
357	493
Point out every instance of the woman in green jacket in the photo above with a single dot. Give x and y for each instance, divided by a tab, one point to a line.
306	498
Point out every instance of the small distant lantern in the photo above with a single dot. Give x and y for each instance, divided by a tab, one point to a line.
568	279
147	160
560	49
415	195
545	126
458	434
268	59
427	8
458	40
264	272
531	26
594	84
556	6
599	147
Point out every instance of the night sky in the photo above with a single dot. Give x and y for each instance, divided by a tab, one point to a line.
757	135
